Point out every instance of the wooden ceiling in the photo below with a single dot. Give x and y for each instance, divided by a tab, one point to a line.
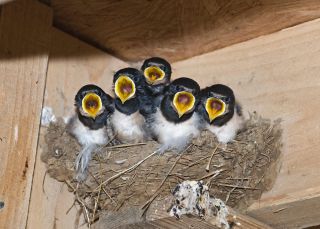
175	29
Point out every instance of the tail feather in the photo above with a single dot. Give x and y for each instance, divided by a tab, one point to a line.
82	161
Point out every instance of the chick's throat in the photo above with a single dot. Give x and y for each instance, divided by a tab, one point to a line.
125	88
215	108
183	102
92	105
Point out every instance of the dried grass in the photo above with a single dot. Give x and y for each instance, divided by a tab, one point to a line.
127	176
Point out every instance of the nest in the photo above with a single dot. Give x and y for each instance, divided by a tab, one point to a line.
127	176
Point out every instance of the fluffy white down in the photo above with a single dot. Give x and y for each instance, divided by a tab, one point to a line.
128	128
90	140
174	136
85	136
228	132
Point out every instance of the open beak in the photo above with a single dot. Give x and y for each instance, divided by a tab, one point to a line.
153	74
124	88
215	108
92	105
183	102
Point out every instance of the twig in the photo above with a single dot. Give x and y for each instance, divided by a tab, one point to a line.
238	178
103	189
228	195
124	200
212	175
70	185
236	186
125	145
267	156
96	205
126	170
156	193
84	207
209	162
69	209
194	163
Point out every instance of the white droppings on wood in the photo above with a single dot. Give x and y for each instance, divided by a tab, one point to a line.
192	197
47	116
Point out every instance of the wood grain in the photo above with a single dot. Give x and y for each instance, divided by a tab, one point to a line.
276	75
24	27
68	70
279	77
241	221
176	29
171	222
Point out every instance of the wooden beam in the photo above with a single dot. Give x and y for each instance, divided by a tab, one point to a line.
68	70
279	77
171	222
24	38
134	30
5	1
295	210
159	218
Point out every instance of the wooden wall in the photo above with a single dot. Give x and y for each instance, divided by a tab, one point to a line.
279	77
176	29
50	200
27	39
24	43
276	75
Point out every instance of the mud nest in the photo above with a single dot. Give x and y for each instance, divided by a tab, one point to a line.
237	173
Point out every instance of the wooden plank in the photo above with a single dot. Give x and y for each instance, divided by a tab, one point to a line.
171	222
279	77
24	39
71	65
241	221
296	210
134	30
5	1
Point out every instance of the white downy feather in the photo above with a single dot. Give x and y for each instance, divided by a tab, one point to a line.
174	135
90	140
228	132
128	128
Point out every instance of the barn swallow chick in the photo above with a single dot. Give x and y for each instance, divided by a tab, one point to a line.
175	123
220	113
131	104
89	125
157	72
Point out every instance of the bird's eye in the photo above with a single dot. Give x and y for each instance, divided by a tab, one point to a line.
227	99
153	74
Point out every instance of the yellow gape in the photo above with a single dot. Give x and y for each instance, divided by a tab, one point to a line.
91	104
124	88
183	102
153	74
215	108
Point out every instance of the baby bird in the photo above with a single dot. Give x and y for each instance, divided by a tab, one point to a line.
89	125
157	72
220	113
174	123
131	104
